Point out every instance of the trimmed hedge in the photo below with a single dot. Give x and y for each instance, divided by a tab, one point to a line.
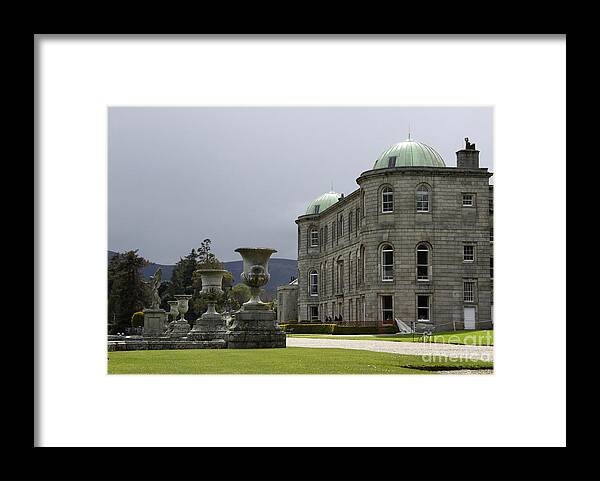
340	329
314	328
298	328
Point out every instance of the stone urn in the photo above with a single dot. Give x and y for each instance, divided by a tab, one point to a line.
254	325
173	312
255	273
181	327
210	325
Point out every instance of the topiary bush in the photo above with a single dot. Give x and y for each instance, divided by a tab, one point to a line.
137	320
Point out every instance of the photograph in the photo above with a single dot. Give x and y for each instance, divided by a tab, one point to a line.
300	240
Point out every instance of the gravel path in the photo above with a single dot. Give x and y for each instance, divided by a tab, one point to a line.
481	353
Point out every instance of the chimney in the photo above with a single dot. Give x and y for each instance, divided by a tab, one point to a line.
467	158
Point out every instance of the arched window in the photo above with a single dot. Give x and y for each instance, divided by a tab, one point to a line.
340	275
356	269
313	283
423	263
387	262
423	198
332	276
387	199
361	276
332	233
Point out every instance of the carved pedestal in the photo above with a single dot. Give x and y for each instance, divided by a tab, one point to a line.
208	327
155	321
179	328
254	329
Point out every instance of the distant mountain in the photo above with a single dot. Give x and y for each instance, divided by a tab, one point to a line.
281	270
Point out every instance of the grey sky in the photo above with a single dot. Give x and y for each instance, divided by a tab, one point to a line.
241	175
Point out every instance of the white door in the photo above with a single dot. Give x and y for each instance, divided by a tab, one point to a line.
469	318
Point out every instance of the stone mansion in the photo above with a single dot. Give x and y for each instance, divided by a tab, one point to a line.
414	242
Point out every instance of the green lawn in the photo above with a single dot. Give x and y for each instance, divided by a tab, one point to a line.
291	360
474	338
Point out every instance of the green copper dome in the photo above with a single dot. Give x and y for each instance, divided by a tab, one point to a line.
409	154
323	202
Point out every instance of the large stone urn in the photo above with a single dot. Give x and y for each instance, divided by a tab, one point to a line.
180	327
254	325
210	326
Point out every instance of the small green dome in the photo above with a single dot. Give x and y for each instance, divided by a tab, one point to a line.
323	202
409	154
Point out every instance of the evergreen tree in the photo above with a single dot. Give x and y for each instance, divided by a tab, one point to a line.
183	272
127	292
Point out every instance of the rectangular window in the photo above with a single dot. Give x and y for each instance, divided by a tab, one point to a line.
423	308
340	226
468	200
350	223
314	238
422	202
387	309
362	202
387	204
313	313
357	220
491	204
392	161
332	234
314	284
469	291
491	267
468	253
492	235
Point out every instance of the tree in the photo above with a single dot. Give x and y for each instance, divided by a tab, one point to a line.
240	293
182	276
127	292
206	258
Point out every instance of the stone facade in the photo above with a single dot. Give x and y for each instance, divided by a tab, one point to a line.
357	281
